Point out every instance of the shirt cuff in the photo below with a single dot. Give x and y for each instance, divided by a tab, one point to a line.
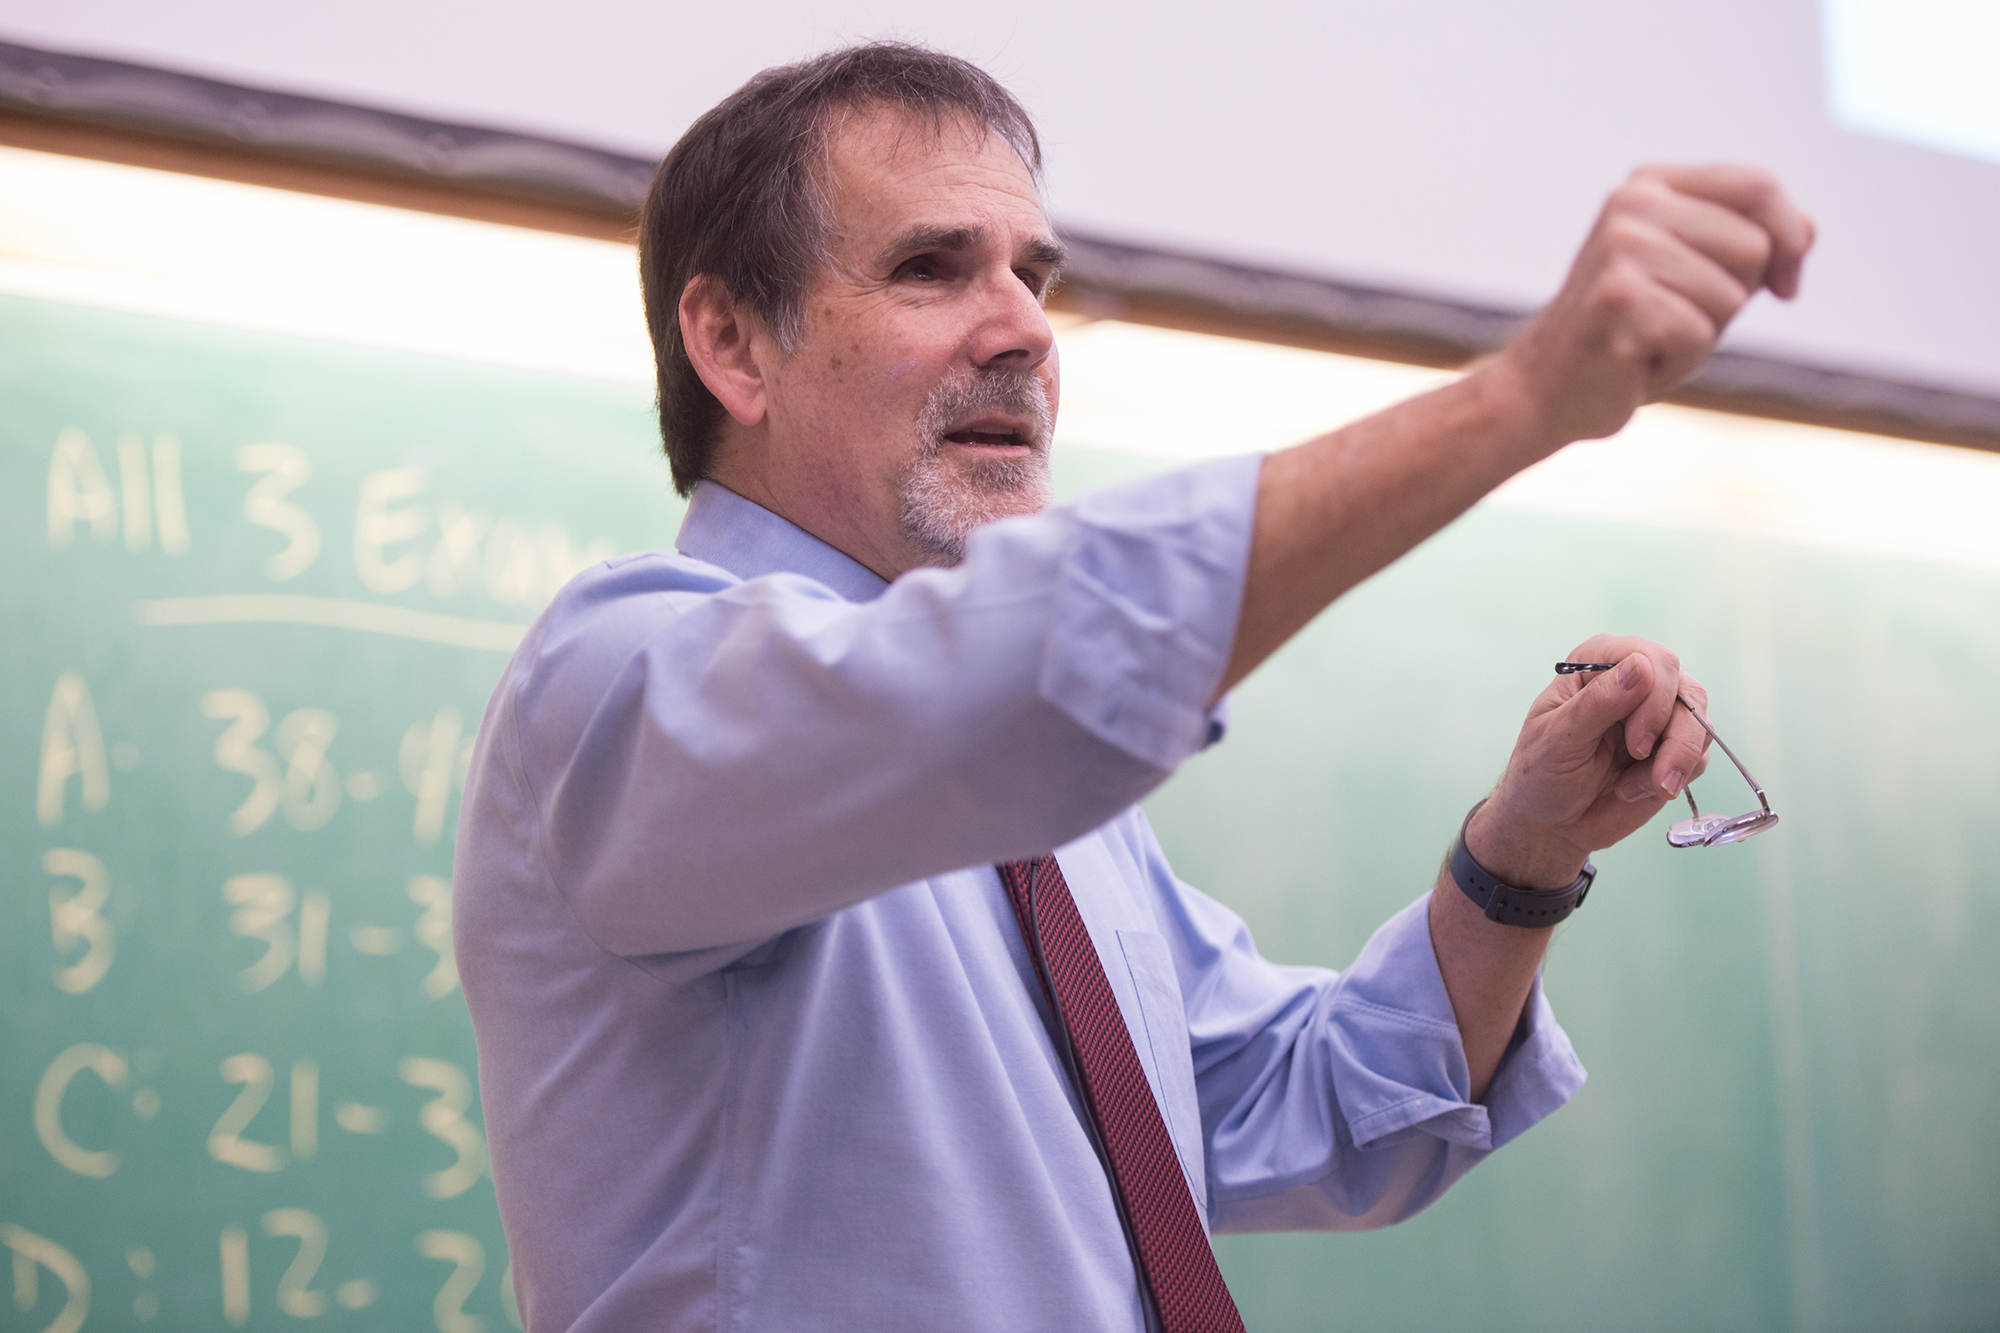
1146	608
1405	1071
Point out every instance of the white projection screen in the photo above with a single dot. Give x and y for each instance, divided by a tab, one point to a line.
1449	147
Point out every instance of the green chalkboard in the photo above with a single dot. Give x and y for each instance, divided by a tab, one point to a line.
257	590
1794	1043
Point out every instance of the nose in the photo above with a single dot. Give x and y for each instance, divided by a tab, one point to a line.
1011	330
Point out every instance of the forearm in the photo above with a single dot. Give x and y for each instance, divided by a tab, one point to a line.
1489	968
1488	972
1337	509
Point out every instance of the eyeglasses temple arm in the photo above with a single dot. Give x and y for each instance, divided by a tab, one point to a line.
1762	800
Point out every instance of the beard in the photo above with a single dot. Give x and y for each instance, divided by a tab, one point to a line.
944	495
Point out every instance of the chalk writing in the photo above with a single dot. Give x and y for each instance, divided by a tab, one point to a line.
34	1253
148	499
72	747
83	1057
286	469
76	917
444	1117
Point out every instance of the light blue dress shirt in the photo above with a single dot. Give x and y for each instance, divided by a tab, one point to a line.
760	1044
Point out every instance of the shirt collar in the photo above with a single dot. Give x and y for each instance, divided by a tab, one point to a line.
724	529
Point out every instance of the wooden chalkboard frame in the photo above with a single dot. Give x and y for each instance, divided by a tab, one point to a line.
145	116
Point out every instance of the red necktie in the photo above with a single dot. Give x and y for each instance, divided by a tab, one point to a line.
1174	1254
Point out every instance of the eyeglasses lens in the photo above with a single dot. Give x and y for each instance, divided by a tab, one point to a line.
1741	827
1718	830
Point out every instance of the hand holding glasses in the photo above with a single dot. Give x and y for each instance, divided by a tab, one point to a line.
1701	830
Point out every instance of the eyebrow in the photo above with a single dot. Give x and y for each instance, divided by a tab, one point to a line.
1052	253
949	240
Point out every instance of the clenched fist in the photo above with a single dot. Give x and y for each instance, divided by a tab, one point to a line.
1675	254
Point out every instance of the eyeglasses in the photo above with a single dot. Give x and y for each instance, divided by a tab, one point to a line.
1701	830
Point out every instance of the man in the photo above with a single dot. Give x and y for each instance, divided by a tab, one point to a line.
824	972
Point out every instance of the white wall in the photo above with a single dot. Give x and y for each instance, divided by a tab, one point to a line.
1443	145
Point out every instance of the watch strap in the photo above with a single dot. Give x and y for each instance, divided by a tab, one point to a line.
1509	904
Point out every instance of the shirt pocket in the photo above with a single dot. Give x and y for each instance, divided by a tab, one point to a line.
1158	988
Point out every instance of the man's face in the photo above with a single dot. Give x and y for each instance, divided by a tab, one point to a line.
921	397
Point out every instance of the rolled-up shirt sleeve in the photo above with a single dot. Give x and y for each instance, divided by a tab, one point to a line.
1341	1100
714	761
1138	671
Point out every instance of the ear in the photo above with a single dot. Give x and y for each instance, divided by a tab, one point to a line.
721	340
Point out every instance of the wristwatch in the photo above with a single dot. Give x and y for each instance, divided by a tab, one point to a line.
1509	904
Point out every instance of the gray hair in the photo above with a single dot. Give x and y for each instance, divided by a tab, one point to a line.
741	198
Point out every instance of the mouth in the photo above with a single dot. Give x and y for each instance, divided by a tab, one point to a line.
983	435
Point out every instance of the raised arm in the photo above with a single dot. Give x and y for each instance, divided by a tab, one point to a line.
1675	254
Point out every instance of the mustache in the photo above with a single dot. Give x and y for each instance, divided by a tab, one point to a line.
1017	394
